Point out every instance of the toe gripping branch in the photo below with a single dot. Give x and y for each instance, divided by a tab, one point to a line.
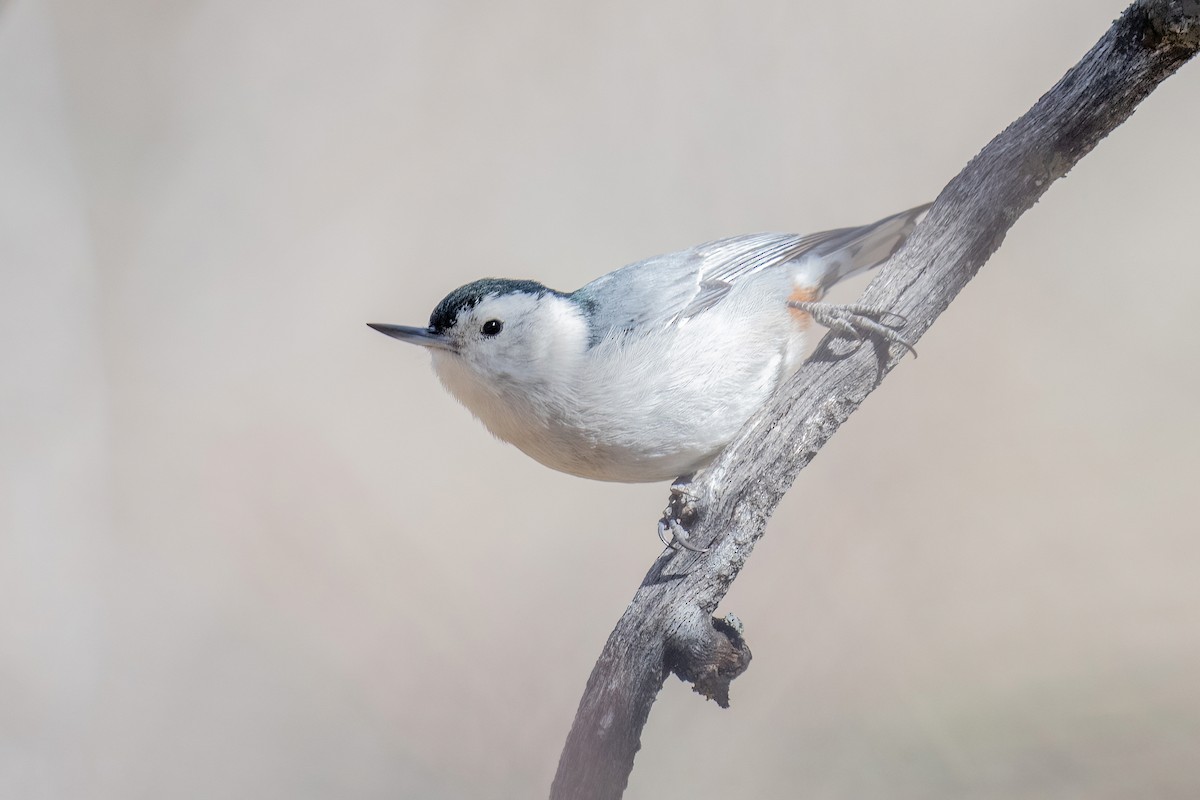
858	322
681	512
710	657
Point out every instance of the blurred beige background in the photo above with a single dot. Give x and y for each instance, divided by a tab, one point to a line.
249	548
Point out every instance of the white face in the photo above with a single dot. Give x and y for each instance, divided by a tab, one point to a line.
516	340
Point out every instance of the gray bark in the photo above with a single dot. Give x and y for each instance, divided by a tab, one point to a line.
668	626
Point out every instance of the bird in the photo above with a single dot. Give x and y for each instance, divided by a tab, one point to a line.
649	371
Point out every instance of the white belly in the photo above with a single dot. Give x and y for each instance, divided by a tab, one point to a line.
669	415
640	408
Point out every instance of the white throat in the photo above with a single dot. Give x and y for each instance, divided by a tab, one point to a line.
523	388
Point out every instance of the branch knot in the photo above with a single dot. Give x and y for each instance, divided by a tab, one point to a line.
709	656
1173	24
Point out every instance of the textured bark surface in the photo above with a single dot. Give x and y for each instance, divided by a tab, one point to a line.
668	626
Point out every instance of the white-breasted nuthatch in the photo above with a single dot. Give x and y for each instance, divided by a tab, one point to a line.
646	373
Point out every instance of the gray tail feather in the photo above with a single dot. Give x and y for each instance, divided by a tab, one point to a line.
855	250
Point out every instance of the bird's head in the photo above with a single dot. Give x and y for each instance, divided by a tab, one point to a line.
497	337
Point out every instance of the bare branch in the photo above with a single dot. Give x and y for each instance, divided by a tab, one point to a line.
668	626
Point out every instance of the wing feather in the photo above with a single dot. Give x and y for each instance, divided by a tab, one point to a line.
725	261
666	289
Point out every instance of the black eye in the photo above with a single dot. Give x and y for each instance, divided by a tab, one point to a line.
492	327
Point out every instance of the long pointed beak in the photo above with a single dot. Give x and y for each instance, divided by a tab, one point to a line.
422	336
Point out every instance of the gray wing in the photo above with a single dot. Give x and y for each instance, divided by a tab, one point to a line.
840	253
662	290
665	289
725	261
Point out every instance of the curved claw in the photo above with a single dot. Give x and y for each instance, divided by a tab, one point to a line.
886	333
679	535
662	533
670	529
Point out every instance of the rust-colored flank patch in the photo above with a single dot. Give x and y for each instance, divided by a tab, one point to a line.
803	294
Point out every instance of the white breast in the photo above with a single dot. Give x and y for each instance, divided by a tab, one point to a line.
659	407
643	406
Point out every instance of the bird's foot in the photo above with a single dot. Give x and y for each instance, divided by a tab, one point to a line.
681	508
857	321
